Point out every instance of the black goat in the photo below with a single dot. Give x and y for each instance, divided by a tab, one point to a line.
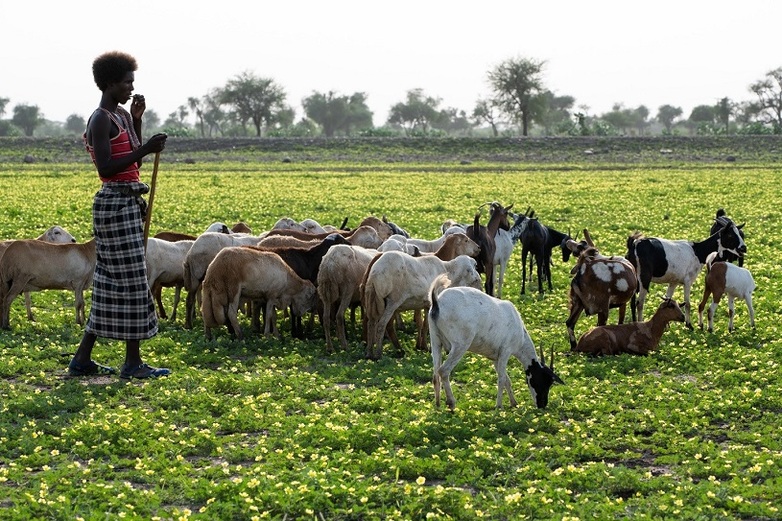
538	240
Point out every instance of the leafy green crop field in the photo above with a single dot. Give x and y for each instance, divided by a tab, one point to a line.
267	429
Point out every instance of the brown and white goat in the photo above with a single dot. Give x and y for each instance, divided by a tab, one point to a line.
724	278
251	273
599	283
638	338
32	265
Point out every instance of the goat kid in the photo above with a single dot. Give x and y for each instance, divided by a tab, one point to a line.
677	262
723	278
638	338
465	319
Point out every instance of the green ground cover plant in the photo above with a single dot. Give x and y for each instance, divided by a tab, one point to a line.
267	429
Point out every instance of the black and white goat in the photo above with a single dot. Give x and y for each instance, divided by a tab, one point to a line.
720	221
465	319
676	262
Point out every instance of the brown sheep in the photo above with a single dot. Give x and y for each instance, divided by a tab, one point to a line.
241	272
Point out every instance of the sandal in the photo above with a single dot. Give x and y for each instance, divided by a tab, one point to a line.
143	371
91	369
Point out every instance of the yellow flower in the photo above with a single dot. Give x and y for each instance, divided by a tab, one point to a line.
421	480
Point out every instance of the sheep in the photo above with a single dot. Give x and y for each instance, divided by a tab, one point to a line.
244	272
638	338
465	319
55	234
364	236
170	236
426	246
306	262
384	230
724	278
32	265
165	262
197	260
339	279
395	281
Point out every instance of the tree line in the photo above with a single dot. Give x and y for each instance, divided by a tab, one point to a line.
518	103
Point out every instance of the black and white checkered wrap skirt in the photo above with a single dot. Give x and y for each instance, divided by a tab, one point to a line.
122	305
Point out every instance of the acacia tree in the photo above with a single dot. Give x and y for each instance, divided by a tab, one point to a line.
418	113
254	99
27	117
666	114
338	114
515	83
485	111
769	93
75	124
551	111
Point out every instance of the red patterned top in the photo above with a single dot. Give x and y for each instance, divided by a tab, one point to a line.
120	146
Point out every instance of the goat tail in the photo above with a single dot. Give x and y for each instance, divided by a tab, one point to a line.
439	284
187	275
212	309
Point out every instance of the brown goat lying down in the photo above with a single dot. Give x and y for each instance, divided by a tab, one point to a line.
638	338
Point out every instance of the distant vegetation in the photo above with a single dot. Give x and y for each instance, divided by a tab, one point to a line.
518	103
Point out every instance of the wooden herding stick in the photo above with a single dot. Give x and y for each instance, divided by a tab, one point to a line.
152	184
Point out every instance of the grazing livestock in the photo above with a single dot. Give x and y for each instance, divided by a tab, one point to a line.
599	284
165	261
198	258
465	319
637	338
55	234
539	241
384	231
395	281
339	280
33	265
305	262
251	273
720	220
484	237
677	262
723	278
216	227
364	236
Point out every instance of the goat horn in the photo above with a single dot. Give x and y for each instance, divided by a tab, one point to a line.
551	361
588	238
542	355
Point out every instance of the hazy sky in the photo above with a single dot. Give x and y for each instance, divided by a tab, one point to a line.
684	53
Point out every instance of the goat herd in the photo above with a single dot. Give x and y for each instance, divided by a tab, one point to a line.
298	267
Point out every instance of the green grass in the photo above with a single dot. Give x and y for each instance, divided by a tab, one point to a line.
280	430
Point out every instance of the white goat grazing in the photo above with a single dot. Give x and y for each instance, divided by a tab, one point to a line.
32	265
724	278
465	319
165	261
55	234
395	281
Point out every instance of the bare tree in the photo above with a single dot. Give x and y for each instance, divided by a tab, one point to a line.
769	93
